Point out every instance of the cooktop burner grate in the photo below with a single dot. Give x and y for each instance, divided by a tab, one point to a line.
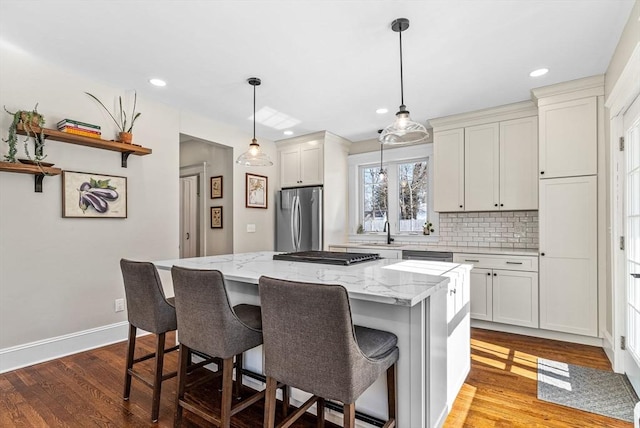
327	257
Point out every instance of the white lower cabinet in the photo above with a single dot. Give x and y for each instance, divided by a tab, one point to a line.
504	289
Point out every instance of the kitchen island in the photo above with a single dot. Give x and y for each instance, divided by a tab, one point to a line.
408	298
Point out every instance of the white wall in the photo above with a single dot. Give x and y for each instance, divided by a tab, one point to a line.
61	275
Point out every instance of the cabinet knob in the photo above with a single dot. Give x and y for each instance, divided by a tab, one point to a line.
542	254
488	273
542	172
502	205
495	274
460	206
495	205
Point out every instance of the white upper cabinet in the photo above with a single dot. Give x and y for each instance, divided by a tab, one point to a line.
519	164
481	167
487	160
569	138
301	164
448	177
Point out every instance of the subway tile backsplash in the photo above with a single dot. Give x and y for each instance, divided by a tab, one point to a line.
503	229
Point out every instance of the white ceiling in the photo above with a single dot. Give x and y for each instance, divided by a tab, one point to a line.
329	64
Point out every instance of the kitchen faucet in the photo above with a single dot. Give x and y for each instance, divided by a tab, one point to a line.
387	228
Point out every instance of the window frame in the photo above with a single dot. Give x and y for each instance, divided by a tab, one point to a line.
393	156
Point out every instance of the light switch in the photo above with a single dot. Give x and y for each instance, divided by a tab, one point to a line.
251	228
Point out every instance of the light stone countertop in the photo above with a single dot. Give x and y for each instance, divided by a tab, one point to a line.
403	283
462	250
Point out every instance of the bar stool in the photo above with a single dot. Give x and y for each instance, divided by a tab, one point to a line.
207	323
147	309
310	343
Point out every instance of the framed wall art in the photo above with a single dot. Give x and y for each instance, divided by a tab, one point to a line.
216	187
216	217
256	191
89	195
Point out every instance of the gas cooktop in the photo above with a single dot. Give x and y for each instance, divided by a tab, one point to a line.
327	257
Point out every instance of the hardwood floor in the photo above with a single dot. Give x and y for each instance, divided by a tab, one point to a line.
85	390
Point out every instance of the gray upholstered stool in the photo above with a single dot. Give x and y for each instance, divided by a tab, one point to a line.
207	323
310	343
148	309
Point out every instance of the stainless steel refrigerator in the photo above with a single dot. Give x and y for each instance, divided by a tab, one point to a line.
299	219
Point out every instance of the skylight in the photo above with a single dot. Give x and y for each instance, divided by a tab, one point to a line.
274	119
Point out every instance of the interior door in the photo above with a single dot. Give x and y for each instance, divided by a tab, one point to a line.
632	244
188	216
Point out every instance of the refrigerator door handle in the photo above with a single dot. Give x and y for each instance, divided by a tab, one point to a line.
292	223
299	211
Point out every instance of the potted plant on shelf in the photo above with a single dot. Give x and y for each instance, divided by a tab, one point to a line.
426	229
124	123
29	120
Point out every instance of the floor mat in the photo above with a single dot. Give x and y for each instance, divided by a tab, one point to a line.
596	391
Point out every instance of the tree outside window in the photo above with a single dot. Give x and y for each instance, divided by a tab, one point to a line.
412	195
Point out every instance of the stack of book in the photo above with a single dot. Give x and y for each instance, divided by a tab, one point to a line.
79	128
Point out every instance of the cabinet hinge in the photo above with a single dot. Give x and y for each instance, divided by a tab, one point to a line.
622	242
623	342
621	144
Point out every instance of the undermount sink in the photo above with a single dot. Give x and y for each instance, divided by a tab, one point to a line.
380	244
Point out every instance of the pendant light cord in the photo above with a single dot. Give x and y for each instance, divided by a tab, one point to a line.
254	112
401	79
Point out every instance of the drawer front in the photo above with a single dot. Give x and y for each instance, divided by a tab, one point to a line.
523	263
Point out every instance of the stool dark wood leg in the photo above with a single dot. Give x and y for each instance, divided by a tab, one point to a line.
184	355
286	399
349	415
227	393
320	412
131	347
270	403
391	396
157	378
238	382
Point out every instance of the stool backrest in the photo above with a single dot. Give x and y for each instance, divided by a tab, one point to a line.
206	320
309	342
147	307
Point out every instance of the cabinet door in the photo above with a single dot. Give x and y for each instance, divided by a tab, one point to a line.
481	167
290	166
515	298
568	255
311	165
519	164
568	138
481	294
448	177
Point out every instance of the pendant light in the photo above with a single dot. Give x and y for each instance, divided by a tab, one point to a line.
403	130
254	156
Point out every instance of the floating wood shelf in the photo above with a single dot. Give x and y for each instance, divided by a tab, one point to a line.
98	143
38	172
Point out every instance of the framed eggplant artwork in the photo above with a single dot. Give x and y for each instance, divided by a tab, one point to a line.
90	195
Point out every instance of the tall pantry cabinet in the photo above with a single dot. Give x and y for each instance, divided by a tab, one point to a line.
570	129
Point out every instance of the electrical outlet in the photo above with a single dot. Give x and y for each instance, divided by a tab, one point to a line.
251	228
119	305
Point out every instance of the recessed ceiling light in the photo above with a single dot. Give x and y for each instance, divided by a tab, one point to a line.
288	132
382	110
539	72
158	82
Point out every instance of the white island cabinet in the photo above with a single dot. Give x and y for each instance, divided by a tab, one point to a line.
407	298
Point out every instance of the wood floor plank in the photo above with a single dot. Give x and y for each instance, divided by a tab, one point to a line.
85	390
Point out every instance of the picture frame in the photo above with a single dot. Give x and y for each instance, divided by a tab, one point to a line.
216	187
216	217
256	191
93	195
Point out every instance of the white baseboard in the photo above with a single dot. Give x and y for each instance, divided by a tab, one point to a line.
40	351
608	344
536	332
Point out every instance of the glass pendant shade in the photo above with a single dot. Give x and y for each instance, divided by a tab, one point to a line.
403	130
254	156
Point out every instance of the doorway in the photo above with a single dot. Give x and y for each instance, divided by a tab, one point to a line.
631	245
189	224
